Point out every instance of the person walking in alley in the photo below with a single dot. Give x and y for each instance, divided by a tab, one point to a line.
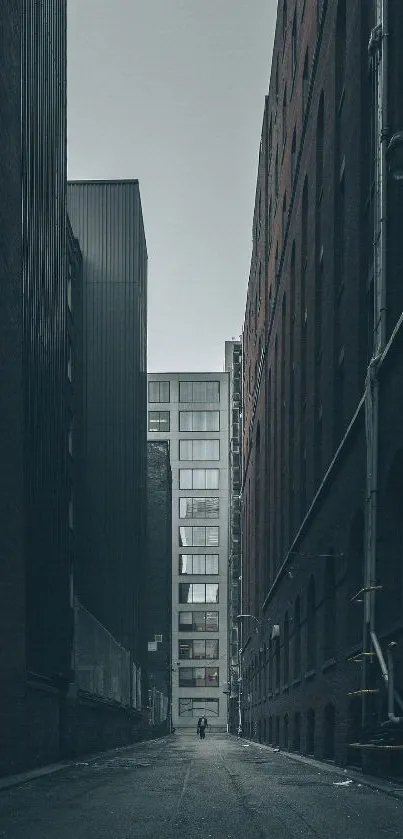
201	727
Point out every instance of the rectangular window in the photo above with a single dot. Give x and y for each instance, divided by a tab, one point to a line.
199	420
159	421
198	677
198	593
199	478
199	508
202	650
158	392
198	564
194	708
199	536
199	450
198	622
199	391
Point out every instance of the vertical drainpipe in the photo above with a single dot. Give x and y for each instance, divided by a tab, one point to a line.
379	47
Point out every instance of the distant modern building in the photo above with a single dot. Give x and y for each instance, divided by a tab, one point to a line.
157	584
36	618
190	411
106	219
233	366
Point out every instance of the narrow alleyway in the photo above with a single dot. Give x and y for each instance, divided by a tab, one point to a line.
219	788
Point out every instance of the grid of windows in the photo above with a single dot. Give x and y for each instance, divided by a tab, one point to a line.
199	677
158	392
199	508
199	420
199	450
203	649
199	391
199	478
198	564
198	621
198	707
198	593
199	536
159	421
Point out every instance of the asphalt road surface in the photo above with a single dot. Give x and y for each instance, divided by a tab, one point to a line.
218	788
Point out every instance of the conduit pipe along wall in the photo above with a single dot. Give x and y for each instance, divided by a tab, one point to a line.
378	48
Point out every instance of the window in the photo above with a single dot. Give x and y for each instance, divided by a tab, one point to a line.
297	638
198	649
199	478
199	391
329	639
158	391
270	222
270	138
284	216
198	707
69	292
198	677
71	509
276	81
284	126
286	650
293	154
199	508
198	592
199	450
284	18
199	420
311	625
70	433
69	360
294	45
198	535
198	621
340	69
305	82
198	564
276	173
320	130
159	421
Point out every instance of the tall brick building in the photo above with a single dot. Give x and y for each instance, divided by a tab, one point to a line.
322	501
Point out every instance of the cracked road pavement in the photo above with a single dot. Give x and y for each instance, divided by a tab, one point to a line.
219	788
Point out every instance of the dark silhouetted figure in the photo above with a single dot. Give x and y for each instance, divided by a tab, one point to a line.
201	727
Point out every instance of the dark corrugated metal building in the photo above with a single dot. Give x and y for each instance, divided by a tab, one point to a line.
106	217
36	617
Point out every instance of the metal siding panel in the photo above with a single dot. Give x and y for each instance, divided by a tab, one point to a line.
105	218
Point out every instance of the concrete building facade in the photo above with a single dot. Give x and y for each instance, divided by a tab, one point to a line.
190	411
313	327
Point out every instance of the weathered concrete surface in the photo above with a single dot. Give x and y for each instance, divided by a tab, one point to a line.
219	788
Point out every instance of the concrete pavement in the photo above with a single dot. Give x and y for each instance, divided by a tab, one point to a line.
219	788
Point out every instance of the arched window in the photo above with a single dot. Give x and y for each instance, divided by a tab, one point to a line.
276	173
277	662
340	73
293	154
297	638
305	82
284	115
286	649
310	732
329	635
355	579
284	216
311	626
320	130
329	731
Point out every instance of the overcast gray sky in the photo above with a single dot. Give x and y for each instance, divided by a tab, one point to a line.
172	92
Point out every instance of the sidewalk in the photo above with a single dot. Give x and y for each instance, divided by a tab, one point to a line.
391	788
41	771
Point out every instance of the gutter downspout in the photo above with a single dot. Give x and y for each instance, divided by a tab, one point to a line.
379	48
